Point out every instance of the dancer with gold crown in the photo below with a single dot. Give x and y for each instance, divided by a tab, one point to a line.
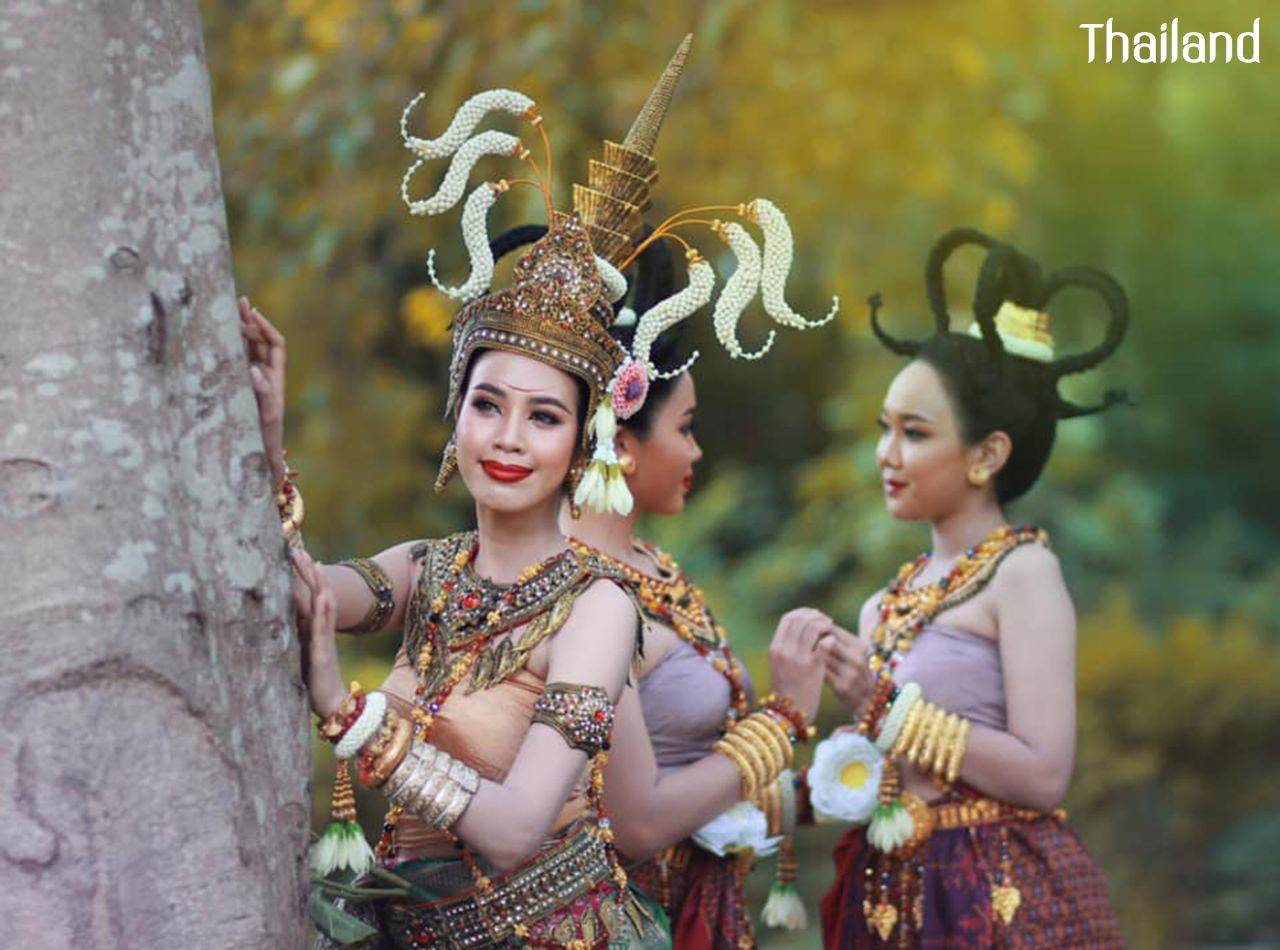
692	687
963	682
509	695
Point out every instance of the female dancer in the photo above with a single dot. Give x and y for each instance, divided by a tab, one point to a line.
517	644
691	685
972	646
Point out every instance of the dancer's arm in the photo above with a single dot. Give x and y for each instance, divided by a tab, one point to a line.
1031	763
265	349
651	810
506	821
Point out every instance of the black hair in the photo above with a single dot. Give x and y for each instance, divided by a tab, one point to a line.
652	281
994	390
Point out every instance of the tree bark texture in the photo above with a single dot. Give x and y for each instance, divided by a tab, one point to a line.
153	734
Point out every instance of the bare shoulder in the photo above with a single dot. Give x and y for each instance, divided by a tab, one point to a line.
1031	566
870	613
603	606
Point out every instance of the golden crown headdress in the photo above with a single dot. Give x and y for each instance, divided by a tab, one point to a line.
560	305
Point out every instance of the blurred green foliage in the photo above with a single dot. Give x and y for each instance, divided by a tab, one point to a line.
876	126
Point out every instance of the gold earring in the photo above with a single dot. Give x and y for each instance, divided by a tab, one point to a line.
571	481
448	464
979	476
627	462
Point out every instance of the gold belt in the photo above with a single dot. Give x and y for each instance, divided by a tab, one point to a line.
556	876
971	812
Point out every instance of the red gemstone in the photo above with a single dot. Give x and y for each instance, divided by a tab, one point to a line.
599	715
471	601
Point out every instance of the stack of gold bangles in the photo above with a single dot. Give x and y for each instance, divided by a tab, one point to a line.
933	740
759	746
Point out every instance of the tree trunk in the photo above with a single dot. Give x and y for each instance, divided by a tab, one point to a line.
153	736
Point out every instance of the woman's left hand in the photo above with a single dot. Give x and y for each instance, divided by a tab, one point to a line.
848	673
318	631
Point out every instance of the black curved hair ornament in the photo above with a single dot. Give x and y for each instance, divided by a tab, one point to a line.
1009	275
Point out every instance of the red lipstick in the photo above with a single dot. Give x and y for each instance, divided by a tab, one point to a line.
688	484
505	473
892	486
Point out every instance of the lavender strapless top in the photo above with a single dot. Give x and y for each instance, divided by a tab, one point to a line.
959	671
685	701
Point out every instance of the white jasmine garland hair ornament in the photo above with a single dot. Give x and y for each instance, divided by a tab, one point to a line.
739	290
778	251
475	235
844	778
741	830
560	307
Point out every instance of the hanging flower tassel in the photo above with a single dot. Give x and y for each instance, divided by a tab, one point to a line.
475	235
464	121
603	486
739	290
667	313
778	252
784	908
342	845
455	179
891	824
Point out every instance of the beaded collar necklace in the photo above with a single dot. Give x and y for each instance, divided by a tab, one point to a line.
905	610
676	602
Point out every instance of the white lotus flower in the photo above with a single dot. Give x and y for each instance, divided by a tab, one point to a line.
845	778
742	830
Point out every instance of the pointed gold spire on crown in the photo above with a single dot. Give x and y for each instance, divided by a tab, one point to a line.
619	183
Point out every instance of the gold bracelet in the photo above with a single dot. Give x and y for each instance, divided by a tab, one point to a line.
751	748
909	727
394	752
946	746
745	772
931	742
780	733
767	738
941	744
958	751
928	722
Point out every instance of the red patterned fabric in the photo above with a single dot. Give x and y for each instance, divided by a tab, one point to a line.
703	897
948	897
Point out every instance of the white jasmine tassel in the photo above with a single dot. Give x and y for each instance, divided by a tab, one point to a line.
891	827
669	312
785	908
626	317
778	252
455	180
615	285
468	116
739	290
475	234
603	486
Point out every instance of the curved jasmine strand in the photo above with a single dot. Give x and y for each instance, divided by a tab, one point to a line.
778	251
739	290
464	120
669	312
475	235
455	180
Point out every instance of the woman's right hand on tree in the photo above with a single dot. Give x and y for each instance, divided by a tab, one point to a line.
798	657
317	630
264	348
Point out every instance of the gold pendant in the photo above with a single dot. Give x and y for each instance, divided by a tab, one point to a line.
1005	901
883	919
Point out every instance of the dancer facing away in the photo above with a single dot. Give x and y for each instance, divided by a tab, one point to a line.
491	736
692	687
971	648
